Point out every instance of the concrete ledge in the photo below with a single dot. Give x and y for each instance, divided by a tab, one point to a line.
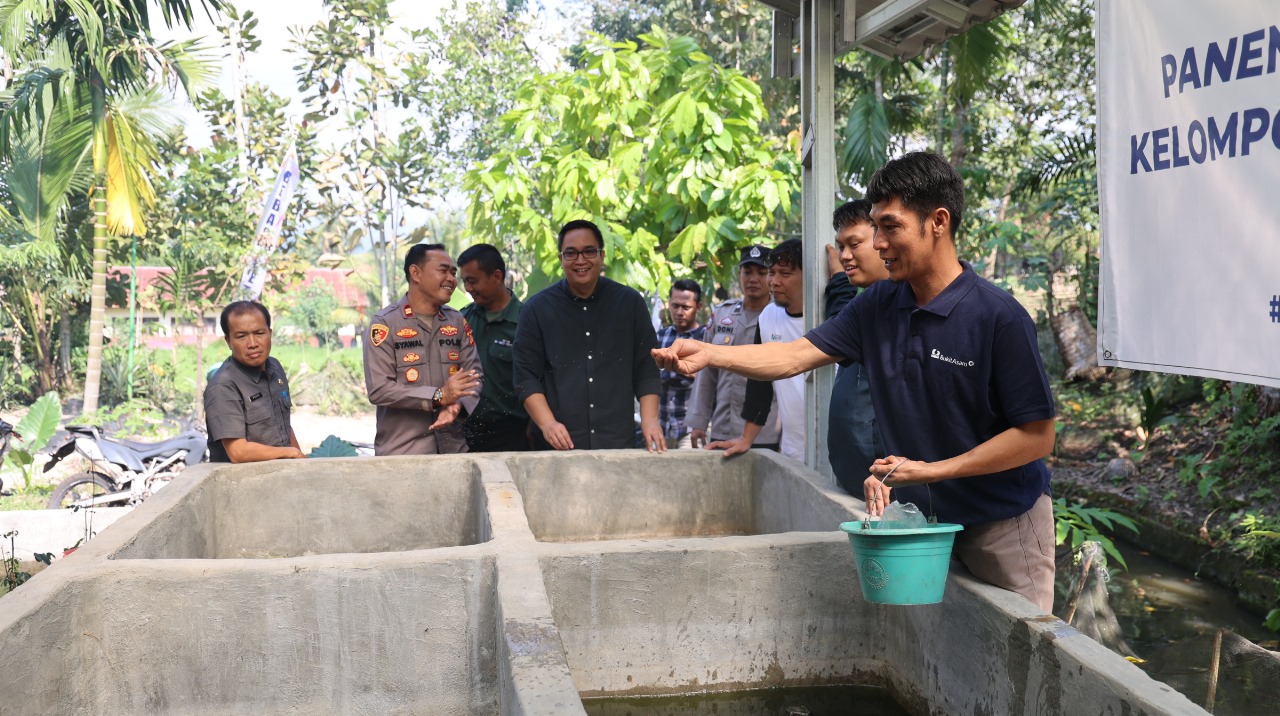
142	620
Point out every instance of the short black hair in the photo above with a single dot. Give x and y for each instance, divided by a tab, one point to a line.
235	308
851	212
687	284
789	253
580	224
417	254
487	256
923	181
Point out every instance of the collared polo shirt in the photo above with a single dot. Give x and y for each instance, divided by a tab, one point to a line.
944	378
495	335
590	357
248	403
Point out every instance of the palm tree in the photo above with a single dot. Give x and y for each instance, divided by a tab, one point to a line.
98	57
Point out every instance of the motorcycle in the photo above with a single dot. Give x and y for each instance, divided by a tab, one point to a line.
122	472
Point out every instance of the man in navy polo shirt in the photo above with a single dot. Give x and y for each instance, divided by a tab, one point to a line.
956	379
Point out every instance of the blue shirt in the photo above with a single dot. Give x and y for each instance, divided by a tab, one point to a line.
944	378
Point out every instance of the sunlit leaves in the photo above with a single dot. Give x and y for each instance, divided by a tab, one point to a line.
657	144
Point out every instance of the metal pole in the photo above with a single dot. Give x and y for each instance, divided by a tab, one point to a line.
818	156
133	308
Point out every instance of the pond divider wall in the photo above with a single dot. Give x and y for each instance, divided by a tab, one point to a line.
515	584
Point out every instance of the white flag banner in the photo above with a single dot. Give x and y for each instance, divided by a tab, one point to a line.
267	237
1189	177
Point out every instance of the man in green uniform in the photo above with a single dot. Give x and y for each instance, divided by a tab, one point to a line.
499	422
420	363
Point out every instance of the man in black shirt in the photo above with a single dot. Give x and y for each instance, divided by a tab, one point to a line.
246	404
582	355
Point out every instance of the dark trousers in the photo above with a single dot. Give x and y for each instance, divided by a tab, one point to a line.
508	436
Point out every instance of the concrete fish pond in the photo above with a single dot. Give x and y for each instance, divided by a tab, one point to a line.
517	584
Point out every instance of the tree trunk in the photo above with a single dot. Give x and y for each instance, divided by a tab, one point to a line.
64	346
1077	344
199	365
97	301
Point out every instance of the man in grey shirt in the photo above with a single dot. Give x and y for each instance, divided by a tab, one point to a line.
246	404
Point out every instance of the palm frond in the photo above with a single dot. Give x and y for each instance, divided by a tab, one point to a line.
135	124
866	139
1071	158
977	55
50	159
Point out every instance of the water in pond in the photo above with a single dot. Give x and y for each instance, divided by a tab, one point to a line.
1180	630
795	701
1158	602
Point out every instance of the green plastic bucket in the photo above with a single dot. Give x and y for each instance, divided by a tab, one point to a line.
902	566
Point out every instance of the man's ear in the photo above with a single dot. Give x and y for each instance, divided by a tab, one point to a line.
940	223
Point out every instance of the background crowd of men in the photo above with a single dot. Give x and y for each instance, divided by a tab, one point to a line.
936	363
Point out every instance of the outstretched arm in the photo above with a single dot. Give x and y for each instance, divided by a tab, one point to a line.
769	361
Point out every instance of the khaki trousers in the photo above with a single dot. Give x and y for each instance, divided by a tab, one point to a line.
1014	554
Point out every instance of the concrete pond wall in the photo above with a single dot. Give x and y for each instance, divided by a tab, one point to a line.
516	584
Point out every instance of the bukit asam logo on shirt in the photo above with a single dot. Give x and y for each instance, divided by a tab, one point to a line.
937	355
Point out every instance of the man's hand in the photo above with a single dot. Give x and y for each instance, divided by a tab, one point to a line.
557	434
833	261
887	473
460	385
685	356
731	447
654	439
446	416
294	454
698	438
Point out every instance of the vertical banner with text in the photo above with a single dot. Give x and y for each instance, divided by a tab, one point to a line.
1189	181
267	237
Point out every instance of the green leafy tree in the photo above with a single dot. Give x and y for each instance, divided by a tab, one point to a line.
313	311
350	76
660	146
98	58
462	73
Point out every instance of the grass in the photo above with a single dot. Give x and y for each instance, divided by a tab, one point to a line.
37	498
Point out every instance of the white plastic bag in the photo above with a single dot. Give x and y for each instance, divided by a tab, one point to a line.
902	516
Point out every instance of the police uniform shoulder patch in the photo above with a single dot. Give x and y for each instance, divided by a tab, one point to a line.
406	333
411	375
378	333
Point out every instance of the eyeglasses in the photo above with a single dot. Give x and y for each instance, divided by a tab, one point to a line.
588	253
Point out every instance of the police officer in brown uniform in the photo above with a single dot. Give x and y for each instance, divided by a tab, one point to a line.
715	404
420	362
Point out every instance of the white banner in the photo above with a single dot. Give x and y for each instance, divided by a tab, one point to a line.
267	237
1189	176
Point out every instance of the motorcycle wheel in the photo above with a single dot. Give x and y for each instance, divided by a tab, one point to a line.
78	487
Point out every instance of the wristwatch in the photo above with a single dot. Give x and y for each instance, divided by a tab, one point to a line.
437	398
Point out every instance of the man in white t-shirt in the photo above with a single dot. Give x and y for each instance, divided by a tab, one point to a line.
780	322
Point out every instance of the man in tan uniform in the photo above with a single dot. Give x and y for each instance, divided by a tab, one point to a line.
420	362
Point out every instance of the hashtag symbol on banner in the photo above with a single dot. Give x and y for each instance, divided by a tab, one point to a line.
1275	309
